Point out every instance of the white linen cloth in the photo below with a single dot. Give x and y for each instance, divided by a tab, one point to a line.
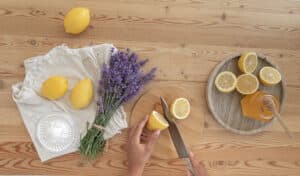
73	64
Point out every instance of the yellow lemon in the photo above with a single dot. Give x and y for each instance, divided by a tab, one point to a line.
77	20
247	84
82	94
225	81
180	108
54	87
157	122
269	76
248	62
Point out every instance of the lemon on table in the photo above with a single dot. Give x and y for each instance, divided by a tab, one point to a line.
225	81
157	122
248	62
247	84
269	76
54	87
77	20
82	94
180	108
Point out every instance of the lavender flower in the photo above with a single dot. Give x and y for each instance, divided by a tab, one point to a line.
121	80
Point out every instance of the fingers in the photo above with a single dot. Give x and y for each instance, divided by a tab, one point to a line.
188	172
193	159
138	130
198	166
152	139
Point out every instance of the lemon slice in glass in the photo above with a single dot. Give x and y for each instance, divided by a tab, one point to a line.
269	76
180	108
157	122
225	81
248	62
247	84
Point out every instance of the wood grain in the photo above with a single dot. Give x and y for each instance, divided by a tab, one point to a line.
185	39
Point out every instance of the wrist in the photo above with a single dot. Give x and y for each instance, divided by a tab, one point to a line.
136	170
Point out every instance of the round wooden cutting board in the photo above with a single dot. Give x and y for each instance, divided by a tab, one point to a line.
226	107
190	128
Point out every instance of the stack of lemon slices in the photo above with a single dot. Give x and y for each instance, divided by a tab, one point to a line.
247	83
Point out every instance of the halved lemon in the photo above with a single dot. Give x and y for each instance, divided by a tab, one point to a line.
269	76
157	122
248	62
247	84
180	108
225	81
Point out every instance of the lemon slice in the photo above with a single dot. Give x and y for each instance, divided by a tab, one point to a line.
225	81
157	122
247	84
269	76
248	62
180	108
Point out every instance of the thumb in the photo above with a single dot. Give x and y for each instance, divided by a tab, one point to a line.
152	139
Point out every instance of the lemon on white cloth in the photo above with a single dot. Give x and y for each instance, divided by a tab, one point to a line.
82	94
269	76
54	87
248	62
225	81
77	20
157	122
247	84
180	108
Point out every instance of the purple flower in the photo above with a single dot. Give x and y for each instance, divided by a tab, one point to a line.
122	79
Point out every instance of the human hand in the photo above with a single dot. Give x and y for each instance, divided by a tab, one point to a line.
198	166
140	147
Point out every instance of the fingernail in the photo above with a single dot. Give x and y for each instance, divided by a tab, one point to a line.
191	154
156	133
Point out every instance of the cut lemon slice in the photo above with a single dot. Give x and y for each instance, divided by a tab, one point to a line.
157	122
180	108
248	62
225	81
269	76
247	84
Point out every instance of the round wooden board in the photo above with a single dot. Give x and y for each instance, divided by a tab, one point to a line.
190	128
226	107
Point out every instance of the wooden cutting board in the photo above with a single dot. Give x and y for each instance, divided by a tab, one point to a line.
190	128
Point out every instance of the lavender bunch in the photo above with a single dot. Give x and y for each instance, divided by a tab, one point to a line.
122	79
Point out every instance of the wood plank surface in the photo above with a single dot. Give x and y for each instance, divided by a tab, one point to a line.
185	40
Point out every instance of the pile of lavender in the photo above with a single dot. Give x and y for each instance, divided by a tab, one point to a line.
121	80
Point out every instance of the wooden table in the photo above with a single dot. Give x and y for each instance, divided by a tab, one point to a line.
185	39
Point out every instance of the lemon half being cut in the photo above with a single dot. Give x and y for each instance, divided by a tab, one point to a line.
269	76
248	62
180	108
157	122
247	84
225	81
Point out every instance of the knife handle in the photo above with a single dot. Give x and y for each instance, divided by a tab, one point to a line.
190	166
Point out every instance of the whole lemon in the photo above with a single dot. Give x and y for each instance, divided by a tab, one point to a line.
82	94
77	20
54	87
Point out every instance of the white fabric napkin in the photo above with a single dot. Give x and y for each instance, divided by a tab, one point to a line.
74	64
